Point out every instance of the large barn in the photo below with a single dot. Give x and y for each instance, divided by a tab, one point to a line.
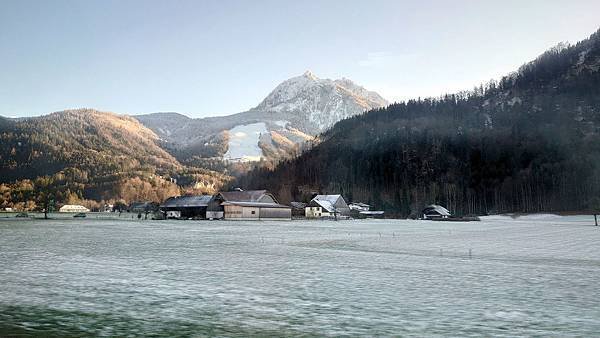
186	207
252	205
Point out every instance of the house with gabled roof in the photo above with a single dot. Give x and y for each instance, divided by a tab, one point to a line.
326	206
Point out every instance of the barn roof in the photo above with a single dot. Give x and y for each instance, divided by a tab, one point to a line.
330	198
326	202
257	204
436	208
360	204
244	196
187	201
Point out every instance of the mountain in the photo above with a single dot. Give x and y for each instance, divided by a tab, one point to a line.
293	113
86	154
528	143
316	104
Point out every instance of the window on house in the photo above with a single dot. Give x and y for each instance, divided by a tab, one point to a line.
253	212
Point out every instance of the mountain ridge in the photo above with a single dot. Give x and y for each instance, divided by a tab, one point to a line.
85	155
296	110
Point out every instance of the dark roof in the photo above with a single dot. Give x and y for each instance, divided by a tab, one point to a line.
143	206
298	205
244	196
258	205
187	201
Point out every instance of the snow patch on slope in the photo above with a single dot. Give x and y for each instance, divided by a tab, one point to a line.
243	142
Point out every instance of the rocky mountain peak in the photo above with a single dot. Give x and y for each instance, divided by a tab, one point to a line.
310	75
319	103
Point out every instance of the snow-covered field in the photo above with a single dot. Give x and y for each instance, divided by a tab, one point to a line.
243	142
530	276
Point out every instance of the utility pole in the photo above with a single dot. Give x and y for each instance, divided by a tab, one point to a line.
596	219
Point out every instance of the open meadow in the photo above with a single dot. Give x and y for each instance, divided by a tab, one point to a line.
503	276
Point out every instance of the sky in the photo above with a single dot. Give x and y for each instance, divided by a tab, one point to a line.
208	58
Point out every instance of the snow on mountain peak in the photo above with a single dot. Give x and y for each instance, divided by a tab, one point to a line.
310	75
320	103
295	111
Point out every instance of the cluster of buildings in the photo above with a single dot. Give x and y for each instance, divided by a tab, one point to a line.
231	205
257	205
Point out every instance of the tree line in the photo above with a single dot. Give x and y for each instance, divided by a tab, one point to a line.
527	143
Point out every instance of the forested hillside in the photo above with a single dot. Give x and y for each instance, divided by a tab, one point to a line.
528	143
88	156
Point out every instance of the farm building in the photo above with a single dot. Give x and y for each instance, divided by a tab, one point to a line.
362	210
298	209
186	207
252	205
371	214
73	208
358	206
435	211
327	206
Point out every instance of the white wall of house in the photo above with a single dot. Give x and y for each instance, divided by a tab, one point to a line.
316	212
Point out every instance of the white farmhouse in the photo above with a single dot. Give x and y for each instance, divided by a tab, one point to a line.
73	208
327	206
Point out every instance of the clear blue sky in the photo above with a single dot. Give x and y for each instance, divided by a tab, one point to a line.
205	58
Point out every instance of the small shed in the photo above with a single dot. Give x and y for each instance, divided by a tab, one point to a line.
435	211
324	206
298	209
